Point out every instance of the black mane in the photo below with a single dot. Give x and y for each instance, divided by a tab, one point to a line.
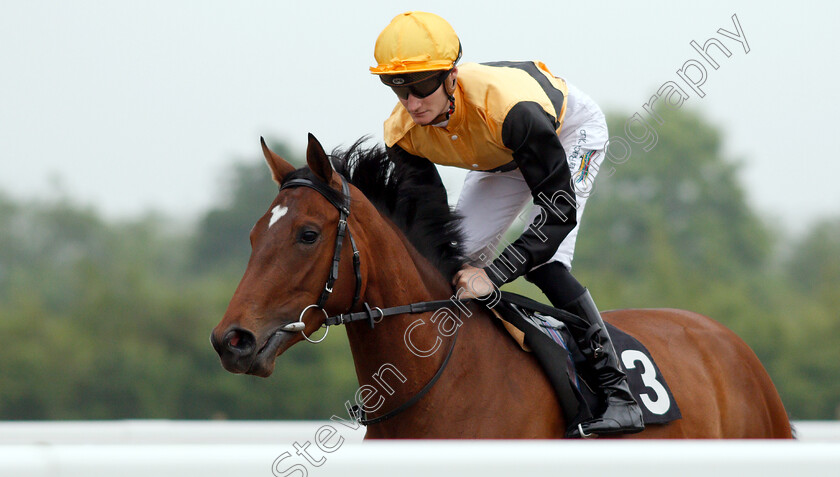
405	193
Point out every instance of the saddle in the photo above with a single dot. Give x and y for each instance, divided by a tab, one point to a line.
540	329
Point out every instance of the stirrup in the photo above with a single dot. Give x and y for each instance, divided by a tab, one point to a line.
584	435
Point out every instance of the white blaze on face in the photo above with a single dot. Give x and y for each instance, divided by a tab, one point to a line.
276	214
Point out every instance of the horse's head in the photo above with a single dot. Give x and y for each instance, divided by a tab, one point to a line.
292	252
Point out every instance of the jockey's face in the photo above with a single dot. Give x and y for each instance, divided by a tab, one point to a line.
424	110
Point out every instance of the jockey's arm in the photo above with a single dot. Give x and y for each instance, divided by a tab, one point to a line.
529	132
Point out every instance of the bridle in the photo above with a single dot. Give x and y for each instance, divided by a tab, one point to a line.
368	314
344	212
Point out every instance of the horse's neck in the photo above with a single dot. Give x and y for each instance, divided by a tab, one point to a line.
399	276
406	277
391	371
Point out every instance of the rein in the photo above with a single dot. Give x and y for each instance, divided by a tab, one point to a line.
368	314
359	413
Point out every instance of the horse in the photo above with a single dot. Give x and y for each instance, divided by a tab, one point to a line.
429	375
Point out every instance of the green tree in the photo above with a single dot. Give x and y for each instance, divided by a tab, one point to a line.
675	212
812	360
814	265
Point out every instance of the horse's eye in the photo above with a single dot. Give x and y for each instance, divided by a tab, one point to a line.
308	236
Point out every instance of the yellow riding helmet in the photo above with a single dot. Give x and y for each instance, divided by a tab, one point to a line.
415	42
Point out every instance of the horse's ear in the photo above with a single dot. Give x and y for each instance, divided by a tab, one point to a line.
318	160
279	167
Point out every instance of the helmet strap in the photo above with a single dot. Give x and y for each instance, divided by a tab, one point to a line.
444	117
451	106
451	96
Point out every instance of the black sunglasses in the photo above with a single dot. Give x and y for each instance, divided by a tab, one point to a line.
421	87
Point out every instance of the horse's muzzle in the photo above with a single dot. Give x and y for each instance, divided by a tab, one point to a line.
239	354
237	349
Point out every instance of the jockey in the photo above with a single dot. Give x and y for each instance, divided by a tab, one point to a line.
523	134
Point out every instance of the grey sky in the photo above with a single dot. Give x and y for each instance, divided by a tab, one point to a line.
139	105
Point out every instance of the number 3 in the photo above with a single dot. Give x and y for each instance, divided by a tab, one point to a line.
662	403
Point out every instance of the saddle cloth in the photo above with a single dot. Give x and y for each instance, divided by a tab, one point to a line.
538	328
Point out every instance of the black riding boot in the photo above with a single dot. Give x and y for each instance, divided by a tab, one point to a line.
621	414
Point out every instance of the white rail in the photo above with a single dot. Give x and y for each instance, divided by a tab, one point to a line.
165	432
300	449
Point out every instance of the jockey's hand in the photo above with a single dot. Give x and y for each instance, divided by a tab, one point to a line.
474	281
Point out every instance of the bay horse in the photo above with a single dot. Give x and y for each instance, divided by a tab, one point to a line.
463	378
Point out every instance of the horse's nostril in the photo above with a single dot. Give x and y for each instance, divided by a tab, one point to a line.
239	341
215	343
